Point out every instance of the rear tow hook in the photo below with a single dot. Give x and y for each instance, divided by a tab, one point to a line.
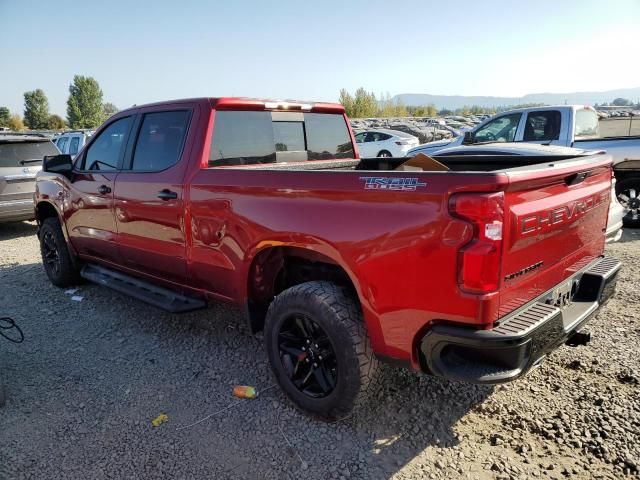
578	339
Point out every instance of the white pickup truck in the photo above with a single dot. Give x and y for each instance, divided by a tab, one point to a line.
566	125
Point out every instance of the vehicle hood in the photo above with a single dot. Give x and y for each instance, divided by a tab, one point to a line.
428	146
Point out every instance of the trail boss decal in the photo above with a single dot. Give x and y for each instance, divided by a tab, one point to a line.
392	183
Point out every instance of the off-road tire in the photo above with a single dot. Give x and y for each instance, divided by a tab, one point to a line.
338	313
67	273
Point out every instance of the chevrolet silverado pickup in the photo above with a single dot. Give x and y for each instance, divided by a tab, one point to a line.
472	272
565	125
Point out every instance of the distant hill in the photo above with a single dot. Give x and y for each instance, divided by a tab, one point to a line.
459	101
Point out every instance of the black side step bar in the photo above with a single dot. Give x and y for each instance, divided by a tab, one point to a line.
134	287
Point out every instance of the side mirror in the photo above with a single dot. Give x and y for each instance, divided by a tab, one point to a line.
61	164
468	138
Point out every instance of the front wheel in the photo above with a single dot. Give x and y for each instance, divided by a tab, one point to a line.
56	258
319	350
628	192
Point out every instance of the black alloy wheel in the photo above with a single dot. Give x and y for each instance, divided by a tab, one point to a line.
307	356
56	259
50	254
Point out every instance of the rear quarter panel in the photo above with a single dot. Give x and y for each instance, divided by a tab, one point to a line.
398	247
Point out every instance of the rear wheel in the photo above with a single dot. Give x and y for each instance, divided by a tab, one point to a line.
319	350
384	153
56	258
628	192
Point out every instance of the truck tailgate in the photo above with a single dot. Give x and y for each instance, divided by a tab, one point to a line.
555	219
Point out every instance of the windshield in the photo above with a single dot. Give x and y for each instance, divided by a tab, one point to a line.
12	154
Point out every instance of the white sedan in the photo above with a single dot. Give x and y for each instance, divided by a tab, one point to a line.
384	143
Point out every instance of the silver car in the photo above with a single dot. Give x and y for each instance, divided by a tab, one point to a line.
20	160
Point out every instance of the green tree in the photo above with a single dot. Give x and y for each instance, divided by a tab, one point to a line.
36	109
56	122
365	104
391	108
445	112
347	101
5	117
15	123
621	102
109	109
84	106
431	110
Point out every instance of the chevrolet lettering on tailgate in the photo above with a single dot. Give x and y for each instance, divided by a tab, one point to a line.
546	219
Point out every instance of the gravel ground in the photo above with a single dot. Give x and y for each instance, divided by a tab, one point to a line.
91	376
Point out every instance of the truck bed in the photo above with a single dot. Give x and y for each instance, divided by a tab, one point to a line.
462	163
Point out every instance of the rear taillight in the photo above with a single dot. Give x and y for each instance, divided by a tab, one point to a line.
479	260
403	142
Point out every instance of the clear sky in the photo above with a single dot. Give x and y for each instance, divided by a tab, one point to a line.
143	51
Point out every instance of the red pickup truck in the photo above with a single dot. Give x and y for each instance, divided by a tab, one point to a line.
473	273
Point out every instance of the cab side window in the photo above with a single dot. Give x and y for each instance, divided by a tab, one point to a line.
541	126
501	129
106	150
160	140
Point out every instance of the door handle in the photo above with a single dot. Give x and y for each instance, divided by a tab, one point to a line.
167	194
103	190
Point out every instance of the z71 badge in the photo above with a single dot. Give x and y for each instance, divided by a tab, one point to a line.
392	183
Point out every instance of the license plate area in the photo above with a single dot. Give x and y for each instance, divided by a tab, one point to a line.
562	295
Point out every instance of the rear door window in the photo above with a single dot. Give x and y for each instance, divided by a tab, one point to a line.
160	140
541	126
246	138
242	138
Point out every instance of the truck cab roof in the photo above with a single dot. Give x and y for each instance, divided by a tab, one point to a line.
247	103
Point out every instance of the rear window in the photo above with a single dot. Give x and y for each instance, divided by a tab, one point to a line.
586	124
11	154
248	138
